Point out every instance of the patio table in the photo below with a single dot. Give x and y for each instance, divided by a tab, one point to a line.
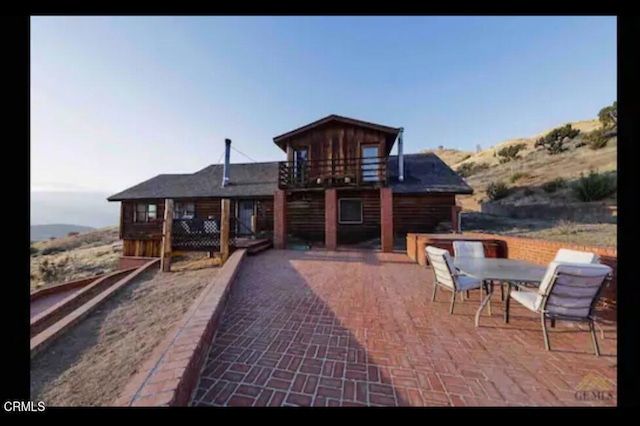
514	272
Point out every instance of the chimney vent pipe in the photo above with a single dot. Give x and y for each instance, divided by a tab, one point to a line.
400	157
227	155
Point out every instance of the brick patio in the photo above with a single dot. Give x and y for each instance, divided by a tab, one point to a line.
359	328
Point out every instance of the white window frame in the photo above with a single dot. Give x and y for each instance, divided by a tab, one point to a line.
340	221
367	175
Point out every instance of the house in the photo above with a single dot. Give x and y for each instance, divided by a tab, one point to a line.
338	185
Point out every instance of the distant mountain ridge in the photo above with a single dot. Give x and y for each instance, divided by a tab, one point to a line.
57	230
89	209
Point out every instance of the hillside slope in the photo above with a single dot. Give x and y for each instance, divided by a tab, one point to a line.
75	257
536	165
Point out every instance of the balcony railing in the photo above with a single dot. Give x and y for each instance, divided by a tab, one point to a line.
350	172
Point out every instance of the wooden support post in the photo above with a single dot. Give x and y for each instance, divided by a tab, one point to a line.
165	255
121	232
225	208
254	223
280	220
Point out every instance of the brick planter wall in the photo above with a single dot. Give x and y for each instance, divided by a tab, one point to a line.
56	312
57	288
67	313
412	240
169	376
493	247
543	252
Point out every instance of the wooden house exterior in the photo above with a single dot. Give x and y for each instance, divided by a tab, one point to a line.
338	184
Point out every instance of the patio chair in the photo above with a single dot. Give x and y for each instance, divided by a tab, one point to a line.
472	249
575	256
446	275
568	291
468	249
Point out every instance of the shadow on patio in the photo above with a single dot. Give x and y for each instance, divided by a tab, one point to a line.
359	328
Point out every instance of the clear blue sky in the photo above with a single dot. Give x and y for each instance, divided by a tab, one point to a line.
118	100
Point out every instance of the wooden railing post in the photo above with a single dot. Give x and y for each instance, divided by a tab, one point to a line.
254	223
225	208
165	255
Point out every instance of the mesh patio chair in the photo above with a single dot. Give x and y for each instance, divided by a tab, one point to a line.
575	256
568	291
472	249
446	275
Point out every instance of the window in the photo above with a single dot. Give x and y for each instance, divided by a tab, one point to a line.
145	212
370	163
299	164
184	211
350	210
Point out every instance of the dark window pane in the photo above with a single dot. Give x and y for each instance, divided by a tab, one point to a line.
350	211
184	211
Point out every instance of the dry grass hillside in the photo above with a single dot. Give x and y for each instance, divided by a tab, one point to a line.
526	176
75	257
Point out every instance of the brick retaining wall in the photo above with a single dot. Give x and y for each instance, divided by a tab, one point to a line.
67	314
169	376
57	288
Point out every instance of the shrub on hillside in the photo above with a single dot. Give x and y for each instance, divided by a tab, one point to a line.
594	187
598	139
566	227
608	116
519	175
52	250
470	168
53	271
497	190
554	140
510	153
528	191
33	251
554	185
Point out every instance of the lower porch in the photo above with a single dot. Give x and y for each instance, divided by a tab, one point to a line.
363	218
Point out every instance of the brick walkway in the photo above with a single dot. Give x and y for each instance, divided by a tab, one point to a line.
356	328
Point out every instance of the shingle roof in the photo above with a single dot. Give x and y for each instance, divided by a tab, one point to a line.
424	173
245	180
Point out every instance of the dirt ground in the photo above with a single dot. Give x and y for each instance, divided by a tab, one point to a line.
92	363
193	261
